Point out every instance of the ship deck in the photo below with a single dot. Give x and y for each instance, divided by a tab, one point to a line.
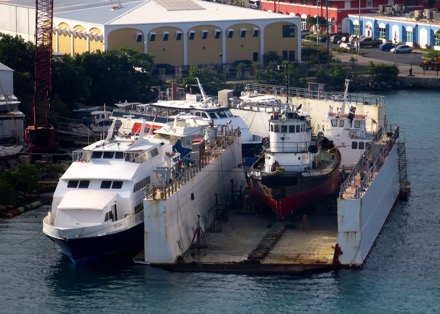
248	243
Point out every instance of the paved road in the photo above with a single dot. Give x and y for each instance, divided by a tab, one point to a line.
404	62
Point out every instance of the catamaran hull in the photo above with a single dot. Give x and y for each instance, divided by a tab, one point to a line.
286	195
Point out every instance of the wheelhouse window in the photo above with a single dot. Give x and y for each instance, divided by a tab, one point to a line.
341	123
96	155
284	129
117	185
291	129
357	124
108	155
361	145
334	122
83	184
354	145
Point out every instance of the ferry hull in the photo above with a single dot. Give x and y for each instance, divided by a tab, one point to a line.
125	244
284	199
119	240
171	223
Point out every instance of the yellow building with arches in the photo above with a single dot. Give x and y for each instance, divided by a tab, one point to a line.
175	32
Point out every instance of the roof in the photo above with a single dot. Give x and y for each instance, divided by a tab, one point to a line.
135	12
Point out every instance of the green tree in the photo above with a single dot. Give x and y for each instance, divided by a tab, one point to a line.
383	72
18	55
212	82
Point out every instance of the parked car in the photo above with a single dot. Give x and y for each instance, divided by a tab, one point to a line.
401	49
369	42
334	38
348	46
386	46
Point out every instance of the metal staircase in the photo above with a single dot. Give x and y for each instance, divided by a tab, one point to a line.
403	175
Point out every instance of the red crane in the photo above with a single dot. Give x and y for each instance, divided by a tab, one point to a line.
41	135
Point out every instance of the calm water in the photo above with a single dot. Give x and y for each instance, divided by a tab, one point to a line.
401	275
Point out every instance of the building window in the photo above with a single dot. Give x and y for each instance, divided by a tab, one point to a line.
192	34
243	32
369	3
437	41
255	56
166	35
139	37
288	31
218	34
230	33
256	32
291	55
153	37
303	24
409	36
382	32
204	34
356	30
178	35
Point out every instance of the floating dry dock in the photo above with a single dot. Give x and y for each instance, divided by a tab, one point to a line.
322	237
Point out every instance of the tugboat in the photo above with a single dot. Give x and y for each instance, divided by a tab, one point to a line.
294	169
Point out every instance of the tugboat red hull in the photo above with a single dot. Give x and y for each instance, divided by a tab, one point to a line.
285	194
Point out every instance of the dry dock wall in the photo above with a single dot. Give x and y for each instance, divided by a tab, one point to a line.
360	220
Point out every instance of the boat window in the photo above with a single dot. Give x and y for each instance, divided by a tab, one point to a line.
271	128
291	129
354	145
212	115
298	128
277	128
303	128
119	155
357	124
108	155
117	185
334	122
284	129
84	184
361	145
96	155
108	216
154	152
341	123
222	114
106	184
73	184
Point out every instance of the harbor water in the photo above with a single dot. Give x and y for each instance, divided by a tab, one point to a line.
401	274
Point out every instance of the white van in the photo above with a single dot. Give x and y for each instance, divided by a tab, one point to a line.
254	4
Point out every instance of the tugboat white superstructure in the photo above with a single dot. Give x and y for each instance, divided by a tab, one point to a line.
294	170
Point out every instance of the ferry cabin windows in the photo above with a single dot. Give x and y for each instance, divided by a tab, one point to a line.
82	184
107	155
357	124
334	123
358	145
111	185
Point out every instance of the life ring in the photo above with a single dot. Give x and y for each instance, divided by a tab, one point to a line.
321	92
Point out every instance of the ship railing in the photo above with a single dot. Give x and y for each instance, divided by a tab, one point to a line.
365	170
280	90
177	178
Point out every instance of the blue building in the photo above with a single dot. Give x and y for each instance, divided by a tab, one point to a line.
416	29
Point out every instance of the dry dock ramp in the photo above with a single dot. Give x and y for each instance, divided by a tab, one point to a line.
251	244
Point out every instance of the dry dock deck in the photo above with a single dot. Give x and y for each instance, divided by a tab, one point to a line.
251	244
